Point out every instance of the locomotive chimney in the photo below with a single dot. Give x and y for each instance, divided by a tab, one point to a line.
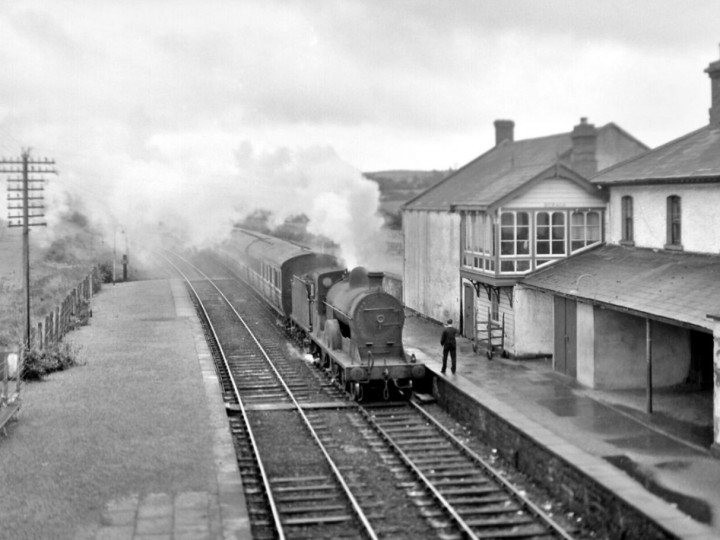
358	277
376	279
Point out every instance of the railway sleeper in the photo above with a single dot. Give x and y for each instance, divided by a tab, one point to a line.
308	509
508	507
305	497
425	447
439	456
317	520
448	468
473	479
470	490
447	460
532	531
303	488
480	501
504	521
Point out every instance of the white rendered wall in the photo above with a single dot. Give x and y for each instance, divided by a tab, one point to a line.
431	275
620	352
586	344
534	326
699	214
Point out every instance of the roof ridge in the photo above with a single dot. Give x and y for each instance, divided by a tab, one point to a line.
648	153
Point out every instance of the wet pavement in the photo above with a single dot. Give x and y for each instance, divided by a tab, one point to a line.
659	462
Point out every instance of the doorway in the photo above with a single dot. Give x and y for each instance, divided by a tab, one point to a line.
469	320
701	360
565	318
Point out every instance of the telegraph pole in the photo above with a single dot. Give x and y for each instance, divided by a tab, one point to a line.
24	190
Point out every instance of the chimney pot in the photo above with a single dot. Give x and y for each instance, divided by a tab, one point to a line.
713	71
583	157
504	130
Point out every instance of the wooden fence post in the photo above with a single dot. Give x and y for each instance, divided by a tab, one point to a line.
40	336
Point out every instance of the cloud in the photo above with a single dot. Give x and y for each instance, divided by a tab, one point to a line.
178	111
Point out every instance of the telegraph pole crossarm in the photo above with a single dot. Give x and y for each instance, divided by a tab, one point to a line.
25	171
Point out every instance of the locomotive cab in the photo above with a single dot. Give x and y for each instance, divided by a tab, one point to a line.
309	294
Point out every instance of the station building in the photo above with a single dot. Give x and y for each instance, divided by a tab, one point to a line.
643	310
519	207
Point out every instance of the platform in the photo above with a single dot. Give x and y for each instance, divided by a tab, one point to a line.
660	463
134	443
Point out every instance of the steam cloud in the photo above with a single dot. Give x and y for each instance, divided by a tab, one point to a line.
195	197
340	203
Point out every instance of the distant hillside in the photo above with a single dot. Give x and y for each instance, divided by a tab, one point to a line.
398	187
394	183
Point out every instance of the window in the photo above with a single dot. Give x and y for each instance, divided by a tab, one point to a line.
628	234
515	233
674	221
550	233
479	245
584	229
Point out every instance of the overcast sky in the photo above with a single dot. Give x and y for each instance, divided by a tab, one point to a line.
156	97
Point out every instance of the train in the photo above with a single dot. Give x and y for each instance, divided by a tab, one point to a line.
344	319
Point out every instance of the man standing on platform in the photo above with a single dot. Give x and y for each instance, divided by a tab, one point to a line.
447	340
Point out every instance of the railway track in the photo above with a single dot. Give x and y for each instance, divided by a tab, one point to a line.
470	493
284	504
316	489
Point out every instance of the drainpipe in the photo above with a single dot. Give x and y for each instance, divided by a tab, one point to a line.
648	358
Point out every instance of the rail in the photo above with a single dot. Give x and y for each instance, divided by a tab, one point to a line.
298	408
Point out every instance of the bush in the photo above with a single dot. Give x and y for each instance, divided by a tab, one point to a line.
105	275
37	364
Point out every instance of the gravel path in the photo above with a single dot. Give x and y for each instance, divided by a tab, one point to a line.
131	422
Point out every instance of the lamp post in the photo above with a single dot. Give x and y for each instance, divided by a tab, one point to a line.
114	248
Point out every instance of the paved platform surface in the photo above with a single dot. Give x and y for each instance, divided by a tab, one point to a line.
134	444
605	433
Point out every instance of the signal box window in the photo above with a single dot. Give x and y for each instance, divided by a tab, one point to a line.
584	229
550	233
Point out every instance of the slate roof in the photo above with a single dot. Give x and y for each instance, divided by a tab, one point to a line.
665	285
694	156
500	171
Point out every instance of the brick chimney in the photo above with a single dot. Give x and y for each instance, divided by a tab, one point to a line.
504	130
583	158
713	70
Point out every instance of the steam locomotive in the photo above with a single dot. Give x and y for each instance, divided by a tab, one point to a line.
350	325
